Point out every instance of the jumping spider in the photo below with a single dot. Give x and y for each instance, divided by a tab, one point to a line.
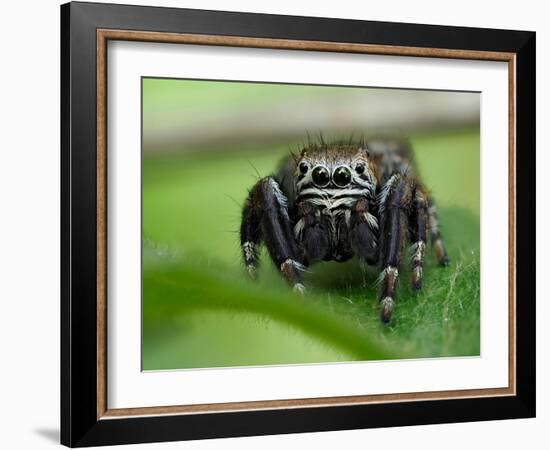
335	201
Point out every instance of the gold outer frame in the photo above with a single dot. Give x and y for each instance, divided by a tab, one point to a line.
104	35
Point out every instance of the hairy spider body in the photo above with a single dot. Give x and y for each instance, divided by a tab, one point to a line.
336	201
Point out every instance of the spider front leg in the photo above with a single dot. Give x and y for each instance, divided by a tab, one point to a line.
363	232
265	218
312	233
396	200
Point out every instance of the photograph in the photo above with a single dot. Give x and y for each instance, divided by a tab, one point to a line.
306	224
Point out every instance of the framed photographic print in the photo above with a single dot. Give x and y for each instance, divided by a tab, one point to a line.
276	224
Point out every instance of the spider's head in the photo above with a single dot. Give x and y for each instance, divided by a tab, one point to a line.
335	167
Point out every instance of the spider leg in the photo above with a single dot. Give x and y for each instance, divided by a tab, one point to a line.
435	234
363	232
251	232
395	204
265	217
312	233
418	233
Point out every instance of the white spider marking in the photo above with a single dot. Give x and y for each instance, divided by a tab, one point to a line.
371	220
347	202
281	199
323	202
387	304
299	228
386	190
332	228
295	264
249	250
333	193
369	182
299	288
328	203
339	193
347	216
304	181
418	249
311	191
307	179
387	271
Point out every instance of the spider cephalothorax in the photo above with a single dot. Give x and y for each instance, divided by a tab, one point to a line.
336	201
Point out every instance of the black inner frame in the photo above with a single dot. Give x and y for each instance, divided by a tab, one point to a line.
79	424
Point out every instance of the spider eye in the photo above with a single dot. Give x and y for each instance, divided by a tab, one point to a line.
321	176
341	176
303	167
359	168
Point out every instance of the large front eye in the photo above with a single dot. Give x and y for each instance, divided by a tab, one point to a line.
341	176
321	176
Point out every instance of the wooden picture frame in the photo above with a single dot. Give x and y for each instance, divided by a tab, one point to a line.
86	418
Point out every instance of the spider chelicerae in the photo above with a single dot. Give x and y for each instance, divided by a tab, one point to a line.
333	201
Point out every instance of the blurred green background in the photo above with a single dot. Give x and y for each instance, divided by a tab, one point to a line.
205	144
